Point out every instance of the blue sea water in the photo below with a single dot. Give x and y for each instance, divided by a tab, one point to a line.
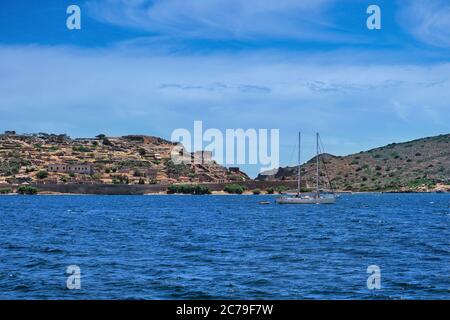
224	247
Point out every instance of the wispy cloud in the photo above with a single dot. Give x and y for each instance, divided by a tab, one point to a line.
428	21
78	87
223	19
244	88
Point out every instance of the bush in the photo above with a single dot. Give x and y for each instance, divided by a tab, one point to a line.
234	188
270	190
177	169
30	169
421	182
106	142
281	189
81	149
96	176
188	189
120	179
256	191
42	174
11	167
5	190
26	190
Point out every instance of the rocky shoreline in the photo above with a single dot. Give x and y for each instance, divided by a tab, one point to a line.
249	188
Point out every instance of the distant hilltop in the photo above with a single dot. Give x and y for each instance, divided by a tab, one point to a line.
418	165
132	159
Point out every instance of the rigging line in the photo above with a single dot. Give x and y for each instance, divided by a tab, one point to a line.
326	170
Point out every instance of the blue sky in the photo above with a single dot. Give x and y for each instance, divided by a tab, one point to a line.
150	67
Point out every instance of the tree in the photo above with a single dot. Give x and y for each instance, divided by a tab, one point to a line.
42	174
106	142
234	188
26	190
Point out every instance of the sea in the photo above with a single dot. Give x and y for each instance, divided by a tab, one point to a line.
365	246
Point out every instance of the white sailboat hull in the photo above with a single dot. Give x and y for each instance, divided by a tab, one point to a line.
296	200
310	198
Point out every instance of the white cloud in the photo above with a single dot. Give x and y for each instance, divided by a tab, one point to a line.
86	92
223	19
428	21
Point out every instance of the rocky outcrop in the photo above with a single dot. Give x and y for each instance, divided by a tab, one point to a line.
132	159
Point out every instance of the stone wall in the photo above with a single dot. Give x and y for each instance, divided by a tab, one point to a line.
111	189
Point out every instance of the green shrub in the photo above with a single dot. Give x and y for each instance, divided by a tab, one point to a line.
26	190
188	189
106	142
120	179
30	169
234	189
256	191
281	189
81	149
42	174
10	167
420	182
96	176
177	169
5	190
270	190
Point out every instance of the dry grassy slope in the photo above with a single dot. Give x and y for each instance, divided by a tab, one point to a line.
115	160
413	165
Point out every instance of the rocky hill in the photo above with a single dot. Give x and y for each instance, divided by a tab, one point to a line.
419	165
136	159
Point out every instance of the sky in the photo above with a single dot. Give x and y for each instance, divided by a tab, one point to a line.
150	67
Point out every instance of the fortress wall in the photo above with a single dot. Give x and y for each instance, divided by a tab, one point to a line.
118	189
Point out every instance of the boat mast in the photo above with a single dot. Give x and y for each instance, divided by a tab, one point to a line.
299	164
317	164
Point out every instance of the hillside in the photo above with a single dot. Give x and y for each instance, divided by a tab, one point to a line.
136	159
418	165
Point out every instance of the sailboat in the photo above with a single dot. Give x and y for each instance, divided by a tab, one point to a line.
312	197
